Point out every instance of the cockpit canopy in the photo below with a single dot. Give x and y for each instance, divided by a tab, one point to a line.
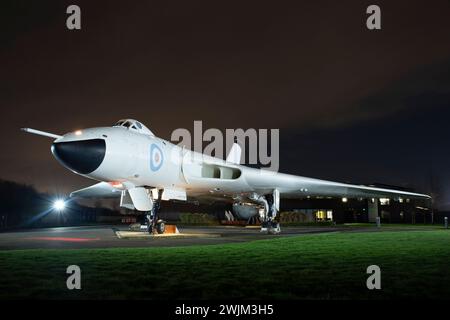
134	125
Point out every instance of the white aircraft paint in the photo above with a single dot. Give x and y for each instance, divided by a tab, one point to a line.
136	160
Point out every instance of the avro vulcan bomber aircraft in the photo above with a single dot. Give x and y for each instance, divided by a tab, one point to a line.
131	163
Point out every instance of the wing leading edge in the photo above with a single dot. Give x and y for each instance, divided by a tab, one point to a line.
291	186
99	190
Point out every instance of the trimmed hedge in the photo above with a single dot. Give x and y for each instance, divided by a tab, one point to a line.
197	218
293	217
301	219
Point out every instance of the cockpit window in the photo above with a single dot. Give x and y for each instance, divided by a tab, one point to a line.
134	125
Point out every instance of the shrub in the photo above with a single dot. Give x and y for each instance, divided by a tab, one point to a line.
197	218
301	219
293	217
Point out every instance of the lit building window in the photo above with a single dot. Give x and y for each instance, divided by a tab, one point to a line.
321	215
330	214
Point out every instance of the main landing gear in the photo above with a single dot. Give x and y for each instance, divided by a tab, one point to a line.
154	224
271	227
269	215
270	222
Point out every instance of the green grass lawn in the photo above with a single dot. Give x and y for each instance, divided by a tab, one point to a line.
414	264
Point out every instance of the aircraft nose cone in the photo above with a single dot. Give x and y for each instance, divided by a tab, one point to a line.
83	156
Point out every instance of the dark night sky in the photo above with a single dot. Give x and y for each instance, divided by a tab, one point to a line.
352	104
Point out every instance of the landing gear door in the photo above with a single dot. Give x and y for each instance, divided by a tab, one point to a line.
125	201
141	198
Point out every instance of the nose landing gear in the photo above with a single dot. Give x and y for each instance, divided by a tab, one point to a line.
154	224
160	227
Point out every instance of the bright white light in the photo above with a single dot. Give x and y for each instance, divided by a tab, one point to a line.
59	205
78	133
344	199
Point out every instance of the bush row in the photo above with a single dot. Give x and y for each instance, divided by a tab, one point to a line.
289	217
300	219
197	218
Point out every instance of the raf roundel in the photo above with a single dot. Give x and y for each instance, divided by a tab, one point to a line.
156	157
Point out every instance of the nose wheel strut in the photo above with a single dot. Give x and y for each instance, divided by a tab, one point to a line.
154	224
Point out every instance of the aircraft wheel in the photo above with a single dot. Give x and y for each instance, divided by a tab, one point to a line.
160	227
274	228
264	227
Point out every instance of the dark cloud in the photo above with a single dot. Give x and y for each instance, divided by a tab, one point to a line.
407	148
398	95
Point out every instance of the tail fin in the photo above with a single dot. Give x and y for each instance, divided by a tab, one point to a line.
235	154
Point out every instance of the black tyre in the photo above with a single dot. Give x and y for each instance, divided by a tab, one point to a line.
160	227
274	228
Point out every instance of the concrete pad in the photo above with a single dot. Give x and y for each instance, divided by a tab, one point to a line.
119	236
